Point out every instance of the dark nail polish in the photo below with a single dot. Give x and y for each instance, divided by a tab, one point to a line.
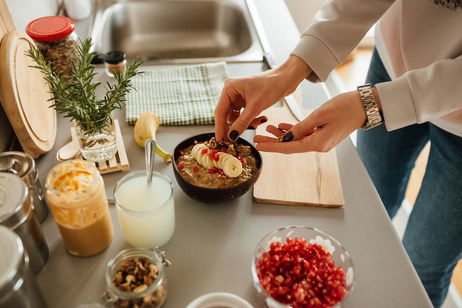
233	135
263	121
287	137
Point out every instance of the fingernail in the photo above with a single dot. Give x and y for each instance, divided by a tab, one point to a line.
233	135
287	137
263	121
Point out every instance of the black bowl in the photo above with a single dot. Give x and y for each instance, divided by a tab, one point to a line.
213	195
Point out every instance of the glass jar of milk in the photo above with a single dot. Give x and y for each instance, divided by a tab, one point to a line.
146	211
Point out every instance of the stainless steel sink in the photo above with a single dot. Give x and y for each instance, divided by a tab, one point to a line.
177	31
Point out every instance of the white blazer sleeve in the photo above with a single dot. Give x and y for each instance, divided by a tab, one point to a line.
422	94
335	31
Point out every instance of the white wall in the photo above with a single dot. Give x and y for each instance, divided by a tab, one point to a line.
24	11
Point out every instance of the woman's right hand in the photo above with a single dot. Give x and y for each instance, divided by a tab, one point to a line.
243	99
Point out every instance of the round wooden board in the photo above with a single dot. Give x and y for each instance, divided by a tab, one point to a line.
25	96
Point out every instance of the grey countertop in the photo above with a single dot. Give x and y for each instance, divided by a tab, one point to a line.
213	244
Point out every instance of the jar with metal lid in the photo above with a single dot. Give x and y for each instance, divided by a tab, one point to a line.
18	287
56	39
16	214
77	198
23	165
136	277
115	62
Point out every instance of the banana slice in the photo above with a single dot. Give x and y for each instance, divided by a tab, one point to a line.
223	160
196	149
216	163
201	158
232	167
208	161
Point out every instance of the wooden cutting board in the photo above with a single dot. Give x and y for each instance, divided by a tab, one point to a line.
6	22
24	95
310	179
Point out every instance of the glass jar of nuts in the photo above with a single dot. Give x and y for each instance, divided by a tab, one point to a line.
136	277
56	39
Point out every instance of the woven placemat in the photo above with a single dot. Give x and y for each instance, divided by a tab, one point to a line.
184	95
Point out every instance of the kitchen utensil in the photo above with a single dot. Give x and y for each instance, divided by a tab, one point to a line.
340	256
16	214
297	179
69	151
150	155
18	287
25	96
289	99
6	22
214	195
23	165
6	131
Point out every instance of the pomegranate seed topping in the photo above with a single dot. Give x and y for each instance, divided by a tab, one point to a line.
181	165
301	274
196	169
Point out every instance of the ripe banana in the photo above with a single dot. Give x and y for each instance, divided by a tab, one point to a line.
145	128
231	166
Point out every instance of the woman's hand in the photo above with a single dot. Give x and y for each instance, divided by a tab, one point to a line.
243	99
322	130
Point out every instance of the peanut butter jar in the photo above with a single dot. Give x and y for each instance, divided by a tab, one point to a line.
76	196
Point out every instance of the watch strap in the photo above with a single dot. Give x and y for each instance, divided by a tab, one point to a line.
373	115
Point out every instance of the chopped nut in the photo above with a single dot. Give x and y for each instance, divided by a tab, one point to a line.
140	288
136	275
118	278
129	278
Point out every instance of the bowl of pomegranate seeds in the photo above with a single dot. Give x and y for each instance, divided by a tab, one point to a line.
302	267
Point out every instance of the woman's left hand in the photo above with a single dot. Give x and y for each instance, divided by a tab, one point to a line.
321	131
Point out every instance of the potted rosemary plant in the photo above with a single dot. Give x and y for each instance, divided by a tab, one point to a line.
75	97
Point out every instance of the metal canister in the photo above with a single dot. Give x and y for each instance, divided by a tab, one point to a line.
16	214
18	287
23	165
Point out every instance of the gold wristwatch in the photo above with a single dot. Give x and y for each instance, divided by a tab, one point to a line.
374	116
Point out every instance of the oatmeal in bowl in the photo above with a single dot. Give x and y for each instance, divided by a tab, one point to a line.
212	172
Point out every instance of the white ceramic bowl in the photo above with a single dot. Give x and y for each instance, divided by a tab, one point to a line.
219	300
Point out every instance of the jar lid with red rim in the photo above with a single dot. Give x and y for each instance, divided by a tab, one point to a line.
50	28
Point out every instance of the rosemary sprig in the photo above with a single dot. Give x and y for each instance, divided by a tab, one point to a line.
75	96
